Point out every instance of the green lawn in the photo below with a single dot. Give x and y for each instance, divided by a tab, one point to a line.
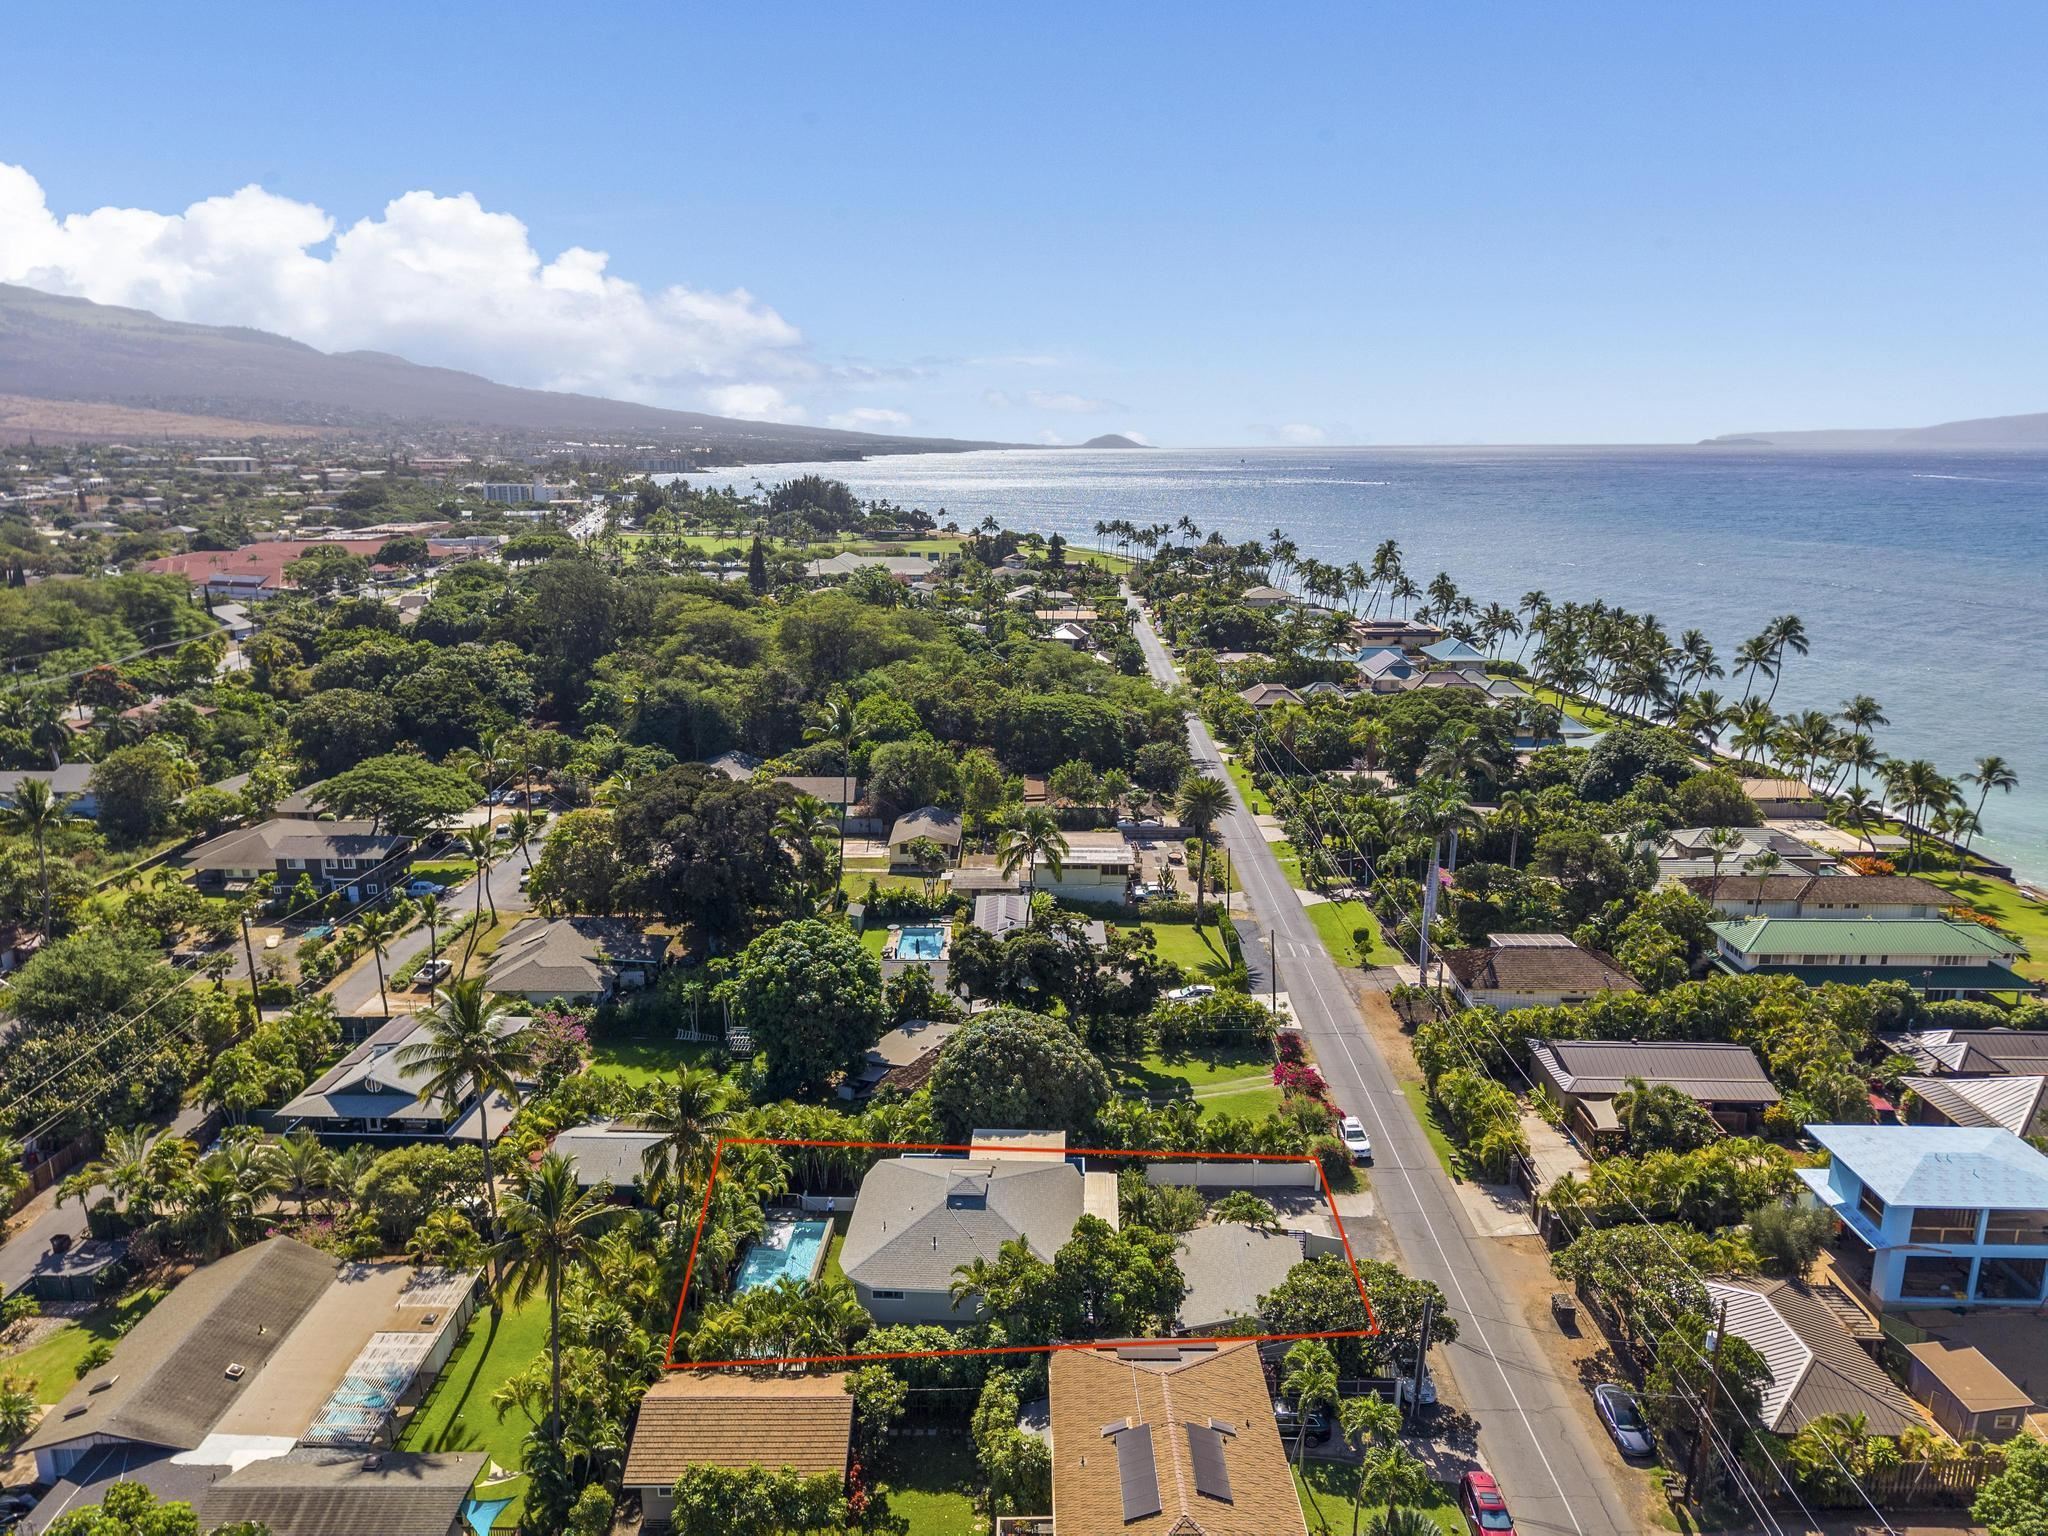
1233	1079
457	1415
445	871
1591	714
1418	1100
1189	947
645	1058
1242	778
1335	921
2025	920
875	940
53	1363
930	1483
1324	1488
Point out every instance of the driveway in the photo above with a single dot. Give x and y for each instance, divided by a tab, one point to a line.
1535	1435
355	992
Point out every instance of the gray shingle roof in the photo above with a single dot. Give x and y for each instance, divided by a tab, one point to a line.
550	956
1711	1071
341	1493
1538	970
287	838
167	1383
919	1218
604	1152
934	822
1228	1267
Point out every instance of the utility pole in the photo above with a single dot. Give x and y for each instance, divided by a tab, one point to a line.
1421	1358
1428	914
249	953
1696	1472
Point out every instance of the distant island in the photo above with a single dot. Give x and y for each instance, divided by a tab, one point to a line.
2012	432
1113	440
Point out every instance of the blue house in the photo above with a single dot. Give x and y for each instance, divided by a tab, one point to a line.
1937	1215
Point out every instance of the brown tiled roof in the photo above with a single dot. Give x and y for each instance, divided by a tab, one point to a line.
1166	1390
1715	1072
1538	969
1833	890
1970	1377
706	1418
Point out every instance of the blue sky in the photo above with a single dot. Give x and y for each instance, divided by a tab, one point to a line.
1201	223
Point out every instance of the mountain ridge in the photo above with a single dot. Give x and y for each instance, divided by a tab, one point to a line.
2024	431
57	348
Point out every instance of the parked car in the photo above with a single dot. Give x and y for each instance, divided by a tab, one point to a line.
1288	1422
1189	994
1623	1416
432	972
1479	1501
1356	1142
425	888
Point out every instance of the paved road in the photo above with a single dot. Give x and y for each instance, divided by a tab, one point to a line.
1535	1434
355	995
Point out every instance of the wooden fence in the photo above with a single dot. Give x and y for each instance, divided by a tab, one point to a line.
1909	1485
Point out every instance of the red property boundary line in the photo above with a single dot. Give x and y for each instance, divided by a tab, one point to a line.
671	1363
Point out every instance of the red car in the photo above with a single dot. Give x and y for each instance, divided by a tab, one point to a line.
1479	1501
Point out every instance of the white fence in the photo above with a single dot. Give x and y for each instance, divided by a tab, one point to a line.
1235	1175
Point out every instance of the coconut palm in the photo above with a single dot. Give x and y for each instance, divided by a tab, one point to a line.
522	826
838	722
551	1231
1201	803
1518	814
481	846
429	909
1308	1376
1403	1519
689	1114
1758	865
469	1047
1367	1422
37	815
1033	837
1990	773
377	927
1458	753
302	1166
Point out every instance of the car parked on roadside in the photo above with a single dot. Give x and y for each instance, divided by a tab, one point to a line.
1356	1142
1189	994
1623	1416
432	972
1480	1502
425	888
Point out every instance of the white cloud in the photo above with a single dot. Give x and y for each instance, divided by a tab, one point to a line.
437	279
1054	400
869	418
752	402
1300	433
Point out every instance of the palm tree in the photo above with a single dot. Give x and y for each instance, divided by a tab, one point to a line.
1721	842
551	1231
1403	1519
1035	835
481	846
522	827
377	928
689	1115
1989	774
1309	1377
302	1165
1457	753
468	1048
216	1208
1366	1422
122	1166
1784	633
1759	865
836	720
429	908
1517	813
1202	803
37	815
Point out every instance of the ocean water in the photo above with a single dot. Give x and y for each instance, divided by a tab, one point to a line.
1922	578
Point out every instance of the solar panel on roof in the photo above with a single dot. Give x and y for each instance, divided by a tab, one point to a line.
1136	1473
1205	1450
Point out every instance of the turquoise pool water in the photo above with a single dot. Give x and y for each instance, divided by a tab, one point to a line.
792	1250
921	944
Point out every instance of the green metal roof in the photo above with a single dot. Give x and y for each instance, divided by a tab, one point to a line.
1862	936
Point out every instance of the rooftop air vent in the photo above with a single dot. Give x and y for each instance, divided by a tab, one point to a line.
236	1370
101	1386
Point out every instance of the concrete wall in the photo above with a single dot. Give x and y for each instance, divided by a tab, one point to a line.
1235	1175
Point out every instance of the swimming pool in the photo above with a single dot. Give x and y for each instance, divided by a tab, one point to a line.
792	1250
921	944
